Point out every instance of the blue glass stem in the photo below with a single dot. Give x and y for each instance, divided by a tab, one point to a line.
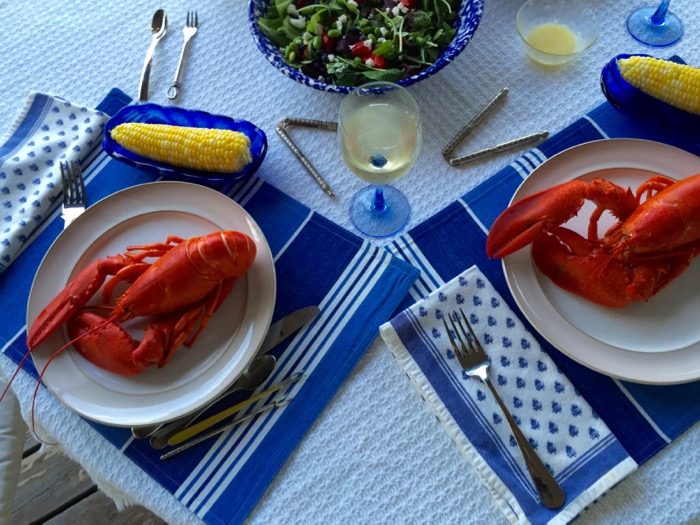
379	203
659	17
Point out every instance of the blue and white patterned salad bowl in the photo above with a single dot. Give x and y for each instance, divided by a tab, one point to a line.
468	16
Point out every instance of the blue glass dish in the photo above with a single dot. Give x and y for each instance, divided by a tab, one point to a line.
468	17
633	101
155	114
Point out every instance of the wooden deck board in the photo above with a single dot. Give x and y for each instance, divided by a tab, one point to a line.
55	490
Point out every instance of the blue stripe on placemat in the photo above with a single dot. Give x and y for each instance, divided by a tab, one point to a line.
357	286
643	417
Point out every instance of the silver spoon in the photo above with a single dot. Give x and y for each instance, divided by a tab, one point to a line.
259	370
159	24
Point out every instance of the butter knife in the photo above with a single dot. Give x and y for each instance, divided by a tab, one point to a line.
280	330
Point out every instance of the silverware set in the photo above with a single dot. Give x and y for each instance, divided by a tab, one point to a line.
475	363
159	25
182	430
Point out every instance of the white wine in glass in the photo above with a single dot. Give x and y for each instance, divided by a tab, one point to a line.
380	138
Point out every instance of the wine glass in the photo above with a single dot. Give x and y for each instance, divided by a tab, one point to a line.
655	26
380	135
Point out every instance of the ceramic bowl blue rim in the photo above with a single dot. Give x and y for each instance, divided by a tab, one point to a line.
468	18
156	114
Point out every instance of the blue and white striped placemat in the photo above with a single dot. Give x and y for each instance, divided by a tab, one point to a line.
356	285
637	420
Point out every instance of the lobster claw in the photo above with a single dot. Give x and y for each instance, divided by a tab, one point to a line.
73	297
526	220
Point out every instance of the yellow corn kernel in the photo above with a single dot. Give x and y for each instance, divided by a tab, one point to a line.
204	149
673	83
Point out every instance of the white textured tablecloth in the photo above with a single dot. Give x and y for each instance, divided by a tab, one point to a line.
375	454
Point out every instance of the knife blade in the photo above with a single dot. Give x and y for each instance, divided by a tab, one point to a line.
286	326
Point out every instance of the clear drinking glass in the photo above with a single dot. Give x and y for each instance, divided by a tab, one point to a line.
380	136
655	26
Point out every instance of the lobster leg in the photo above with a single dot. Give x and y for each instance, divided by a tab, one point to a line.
525	220
106	344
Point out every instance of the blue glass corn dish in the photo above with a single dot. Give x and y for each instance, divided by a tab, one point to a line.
468	17
155	114
635	102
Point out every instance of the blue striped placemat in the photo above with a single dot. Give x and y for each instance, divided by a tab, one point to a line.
643	419
357	286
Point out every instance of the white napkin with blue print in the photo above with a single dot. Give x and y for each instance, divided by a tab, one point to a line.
48	130
584	456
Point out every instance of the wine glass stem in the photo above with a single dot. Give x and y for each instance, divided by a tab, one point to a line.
379	204
659	16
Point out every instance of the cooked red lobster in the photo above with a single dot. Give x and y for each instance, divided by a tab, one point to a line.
179	292
654	240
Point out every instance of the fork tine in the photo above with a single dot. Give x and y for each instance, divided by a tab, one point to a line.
64	180
196	19
476	346
449	334
79	181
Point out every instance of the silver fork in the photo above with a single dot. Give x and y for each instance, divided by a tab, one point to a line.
190	29
73	192
475	362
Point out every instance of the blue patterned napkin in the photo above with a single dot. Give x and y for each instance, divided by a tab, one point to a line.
356	285
48	130
574	443
643	418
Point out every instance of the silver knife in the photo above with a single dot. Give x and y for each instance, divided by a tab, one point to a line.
286	326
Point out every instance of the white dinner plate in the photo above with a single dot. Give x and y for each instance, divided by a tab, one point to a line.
657	341
144	214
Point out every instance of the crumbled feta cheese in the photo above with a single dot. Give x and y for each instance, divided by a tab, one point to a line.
381	39
339	24
368	43
383	30
299	23
352	3
331	57
369	62
343	18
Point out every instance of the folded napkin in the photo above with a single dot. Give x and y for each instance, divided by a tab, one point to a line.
48	130
643	418
356	285
574	443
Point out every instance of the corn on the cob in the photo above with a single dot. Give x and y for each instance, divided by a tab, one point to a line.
204	149
673	83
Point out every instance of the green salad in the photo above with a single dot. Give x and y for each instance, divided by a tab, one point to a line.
350	42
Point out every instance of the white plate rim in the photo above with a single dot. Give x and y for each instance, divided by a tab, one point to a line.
678	366
202	203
